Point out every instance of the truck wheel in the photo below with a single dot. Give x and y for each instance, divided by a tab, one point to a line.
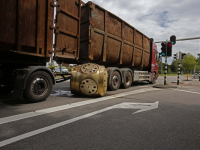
154	79
127	80
38	86
115	81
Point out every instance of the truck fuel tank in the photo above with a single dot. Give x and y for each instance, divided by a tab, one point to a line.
88	79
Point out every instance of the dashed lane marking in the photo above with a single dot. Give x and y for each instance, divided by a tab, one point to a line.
186	91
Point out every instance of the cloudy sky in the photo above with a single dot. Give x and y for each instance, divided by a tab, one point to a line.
161	19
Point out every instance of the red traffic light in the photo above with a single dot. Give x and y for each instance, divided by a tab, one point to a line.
169	44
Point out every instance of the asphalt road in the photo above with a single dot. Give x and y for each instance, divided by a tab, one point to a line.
141	117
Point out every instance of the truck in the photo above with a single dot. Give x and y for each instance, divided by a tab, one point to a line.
109	52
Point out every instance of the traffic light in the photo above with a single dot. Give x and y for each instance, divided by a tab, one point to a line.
169	49
176	56
173	39
163	48
182	56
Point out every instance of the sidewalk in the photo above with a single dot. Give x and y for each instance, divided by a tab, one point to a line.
192	82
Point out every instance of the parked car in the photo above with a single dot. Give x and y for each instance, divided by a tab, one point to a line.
64	70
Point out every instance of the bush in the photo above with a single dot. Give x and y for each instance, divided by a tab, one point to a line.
69	68
51	67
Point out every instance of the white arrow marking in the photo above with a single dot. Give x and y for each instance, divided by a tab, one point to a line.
69	106
141	106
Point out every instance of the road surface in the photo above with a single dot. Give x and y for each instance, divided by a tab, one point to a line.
141	117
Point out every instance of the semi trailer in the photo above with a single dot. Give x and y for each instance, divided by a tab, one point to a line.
109	52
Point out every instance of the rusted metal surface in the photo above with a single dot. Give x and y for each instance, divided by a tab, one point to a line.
25	28
107	39
67	30
87	33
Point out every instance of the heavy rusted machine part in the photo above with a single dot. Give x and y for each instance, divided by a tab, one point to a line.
88	79
67	30
107	39
25	29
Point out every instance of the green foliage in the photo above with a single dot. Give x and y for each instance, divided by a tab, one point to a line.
51	67
189	63
169	70
174	66
69	68
159	69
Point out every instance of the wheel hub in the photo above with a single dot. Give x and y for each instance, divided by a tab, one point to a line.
89	68
115	80
39	86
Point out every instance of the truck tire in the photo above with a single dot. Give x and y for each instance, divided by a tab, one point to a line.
127	80
154	79
115	81
38	86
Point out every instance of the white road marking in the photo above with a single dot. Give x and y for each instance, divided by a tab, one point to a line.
68	106
141	106
187	91
64	86
193	89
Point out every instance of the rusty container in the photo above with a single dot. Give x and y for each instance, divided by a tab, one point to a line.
27	27
26	31
108	40
67	31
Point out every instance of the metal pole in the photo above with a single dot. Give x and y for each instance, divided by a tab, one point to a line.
194	38
179	62
161	65
199	75
60	67
165	77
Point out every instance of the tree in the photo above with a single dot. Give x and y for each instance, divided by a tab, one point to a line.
198	64
159	69
174	66
189	63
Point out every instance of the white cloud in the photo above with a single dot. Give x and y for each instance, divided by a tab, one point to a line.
161	19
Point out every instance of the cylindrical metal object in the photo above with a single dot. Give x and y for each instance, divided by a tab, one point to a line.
178	72
165	82
88	79
187	76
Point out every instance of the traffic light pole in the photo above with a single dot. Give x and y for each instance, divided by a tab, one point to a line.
179	67
199	75
178	71
165	77
161	64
